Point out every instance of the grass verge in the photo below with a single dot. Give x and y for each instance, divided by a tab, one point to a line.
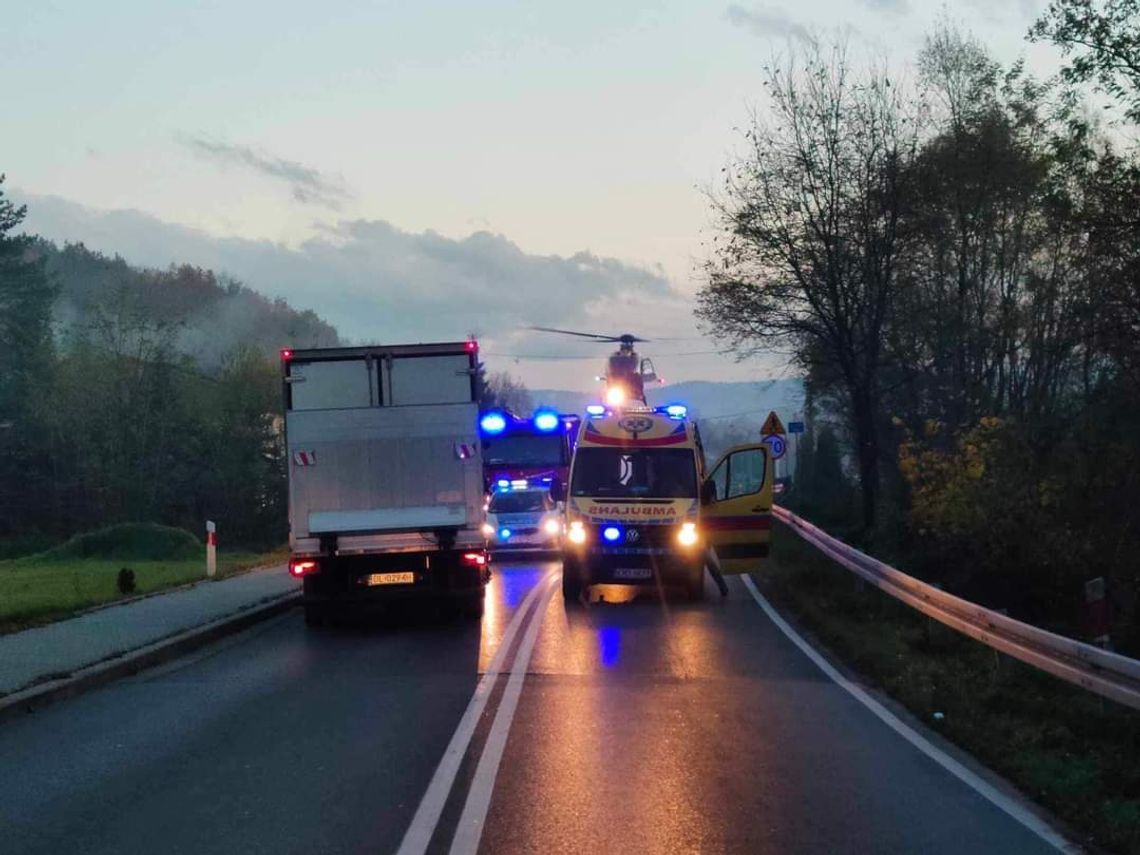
1068	749
46	588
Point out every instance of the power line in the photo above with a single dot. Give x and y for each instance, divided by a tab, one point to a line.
601	357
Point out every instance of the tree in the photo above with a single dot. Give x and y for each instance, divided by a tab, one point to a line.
26	298
1102	42
809	236
501	390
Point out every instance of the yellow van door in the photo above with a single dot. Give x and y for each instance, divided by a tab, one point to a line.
736	507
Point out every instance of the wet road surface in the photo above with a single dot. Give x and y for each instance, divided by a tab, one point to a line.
642	726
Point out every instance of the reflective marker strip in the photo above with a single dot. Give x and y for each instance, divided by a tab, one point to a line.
736	523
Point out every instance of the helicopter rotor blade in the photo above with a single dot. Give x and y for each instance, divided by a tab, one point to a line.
594	336
614	339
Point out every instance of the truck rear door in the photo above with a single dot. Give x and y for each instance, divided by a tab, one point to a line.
382	442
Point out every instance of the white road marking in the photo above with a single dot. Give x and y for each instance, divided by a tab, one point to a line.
470	828
999	799
419	833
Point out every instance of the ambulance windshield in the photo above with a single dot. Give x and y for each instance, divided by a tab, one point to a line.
660	473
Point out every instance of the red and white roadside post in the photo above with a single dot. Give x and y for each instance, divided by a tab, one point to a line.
1097	622
211	549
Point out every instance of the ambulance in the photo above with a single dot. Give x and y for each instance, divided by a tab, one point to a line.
642	507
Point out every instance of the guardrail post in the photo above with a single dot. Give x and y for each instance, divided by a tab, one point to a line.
211	549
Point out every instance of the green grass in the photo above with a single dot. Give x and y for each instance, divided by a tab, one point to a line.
1068	749
50	586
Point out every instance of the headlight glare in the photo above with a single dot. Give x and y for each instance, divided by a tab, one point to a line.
687	536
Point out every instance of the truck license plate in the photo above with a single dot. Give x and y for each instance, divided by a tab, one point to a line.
633	572
391	579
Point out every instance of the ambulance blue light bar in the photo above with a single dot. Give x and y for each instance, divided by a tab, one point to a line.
676	411
546	420
595	410
493	423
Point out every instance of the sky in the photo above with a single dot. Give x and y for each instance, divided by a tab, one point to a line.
431	169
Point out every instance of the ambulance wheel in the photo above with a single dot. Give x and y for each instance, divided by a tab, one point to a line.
695	586
571	582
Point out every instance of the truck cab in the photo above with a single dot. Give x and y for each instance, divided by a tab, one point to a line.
642	508
385	476
536	449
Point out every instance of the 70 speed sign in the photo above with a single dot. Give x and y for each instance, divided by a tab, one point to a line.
776	445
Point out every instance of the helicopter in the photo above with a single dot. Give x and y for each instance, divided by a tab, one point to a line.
626	373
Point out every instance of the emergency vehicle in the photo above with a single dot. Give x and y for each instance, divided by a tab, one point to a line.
642	508
523	515
536	450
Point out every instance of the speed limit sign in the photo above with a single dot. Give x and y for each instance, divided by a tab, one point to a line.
776	445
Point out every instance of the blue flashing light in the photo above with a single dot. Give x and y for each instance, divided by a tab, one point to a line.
595	410
547	480
504	533
503	483
546	420
611	533
493	423
676	411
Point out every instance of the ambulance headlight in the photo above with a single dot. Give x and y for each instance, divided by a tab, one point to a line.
552	526
488	530
687	536
577	533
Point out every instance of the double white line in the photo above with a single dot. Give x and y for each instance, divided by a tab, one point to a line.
470	828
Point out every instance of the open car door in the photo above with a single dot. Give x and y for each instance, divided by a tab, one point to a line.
736	507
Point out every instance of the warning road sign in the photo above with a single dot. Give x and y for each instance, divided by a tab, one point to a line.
772	425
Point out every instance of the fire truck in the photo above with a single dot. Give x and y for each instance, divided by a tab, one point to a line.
536	450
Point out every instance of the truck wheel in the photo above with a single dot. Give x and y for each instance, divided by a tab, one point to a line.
473	608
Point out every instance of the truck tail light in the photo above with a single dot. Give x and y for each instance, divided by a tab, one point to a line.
303	568
475	559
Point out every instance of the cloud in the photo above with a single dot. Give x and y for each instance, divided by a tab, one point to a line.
378	283
891	7
307	185
768	23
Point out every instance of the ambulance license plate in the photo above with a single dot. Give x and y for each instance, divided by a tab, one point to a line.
633	572
391	579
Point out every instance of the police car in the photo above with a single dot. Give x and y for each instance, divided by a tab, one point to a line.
522	516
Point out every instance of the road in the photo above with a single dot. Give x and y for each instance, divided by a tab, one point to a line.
620	727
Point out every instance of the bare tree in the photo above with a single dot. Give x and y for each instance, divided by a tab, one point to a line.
809	234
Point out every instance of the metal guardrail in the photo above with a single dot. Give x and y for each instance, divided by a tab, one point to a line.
1108	674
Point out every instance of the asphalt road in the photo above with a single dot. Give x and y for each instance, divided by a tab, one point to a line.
620	727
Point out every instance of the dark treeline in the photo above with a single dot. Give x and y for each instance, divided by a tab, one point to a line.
137	395
956	265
